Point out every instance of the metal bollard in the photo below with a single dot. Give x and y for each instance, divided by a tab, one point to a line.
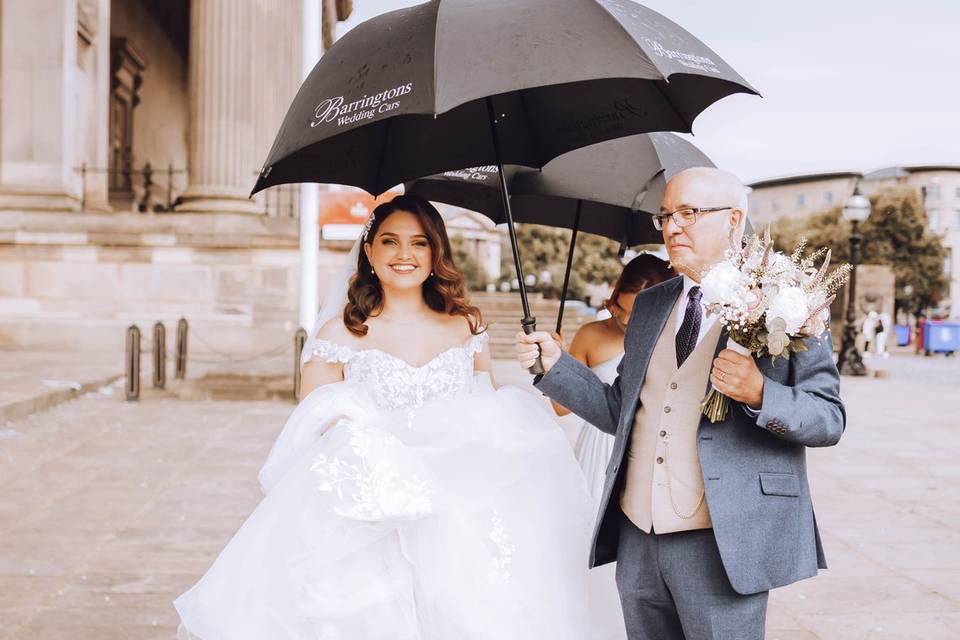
159	356
133	362
181	362
298	341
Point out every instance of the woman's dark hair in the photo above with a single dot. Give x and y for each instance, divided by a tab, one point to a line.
642	272
444	291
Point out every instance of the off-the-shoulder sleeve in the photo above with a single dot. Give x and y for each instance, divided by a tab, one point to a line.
331	351
477	342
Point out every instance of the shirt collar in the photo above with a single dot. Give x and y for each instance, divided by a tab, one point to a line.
688	283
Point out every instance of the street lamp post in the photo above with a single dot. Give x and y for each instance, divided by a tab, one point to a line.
856	210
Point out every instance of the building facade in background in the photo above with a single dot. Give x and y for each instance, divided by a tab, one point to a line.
799	196
131	133
94	90
802	195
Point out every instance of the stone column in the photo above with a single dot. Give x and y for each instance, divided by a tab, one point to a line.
38	47
98	143
222	163
276	30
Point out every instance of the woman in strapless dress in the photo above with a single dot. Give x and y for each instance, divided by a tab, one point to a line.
599	345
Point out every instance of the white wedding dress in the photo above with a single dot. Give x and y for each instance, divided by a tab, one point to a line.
593	450
407	503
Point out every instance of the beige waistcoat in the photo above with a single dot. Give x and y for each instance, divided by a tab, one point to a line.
663	480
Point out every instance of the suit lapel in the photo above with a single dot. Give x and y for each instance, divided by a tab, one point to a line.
647	322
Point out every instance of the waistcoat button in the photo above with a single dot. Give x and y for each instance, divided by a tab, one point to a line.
663	433
673	385
659	460
667	409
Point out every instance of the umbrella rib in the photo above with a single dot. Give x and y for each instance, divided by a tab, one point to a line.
666	98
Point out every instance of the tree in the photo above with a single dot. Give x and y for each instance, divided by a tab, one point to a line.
895	234
473	274
545	249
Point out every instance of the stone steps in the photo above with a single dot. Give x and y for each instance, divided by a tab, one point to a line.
502	313
235	386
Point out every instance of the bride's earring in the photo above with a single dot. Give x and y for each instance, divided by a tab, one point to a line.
372	271
431	273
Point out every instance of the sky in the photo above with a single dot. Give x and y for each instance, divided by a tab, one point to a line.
847	85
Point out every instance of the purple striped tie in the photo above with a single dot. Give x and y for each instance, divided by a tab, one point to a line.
690	329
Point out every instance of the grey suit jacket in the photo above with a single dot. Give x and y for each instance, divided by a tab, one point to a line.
754	468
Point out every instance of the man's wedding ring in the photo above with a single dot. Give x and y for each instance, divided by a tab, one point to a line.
723	377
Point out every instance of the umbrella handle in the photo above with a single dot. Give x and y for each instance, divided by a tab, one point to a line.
529	325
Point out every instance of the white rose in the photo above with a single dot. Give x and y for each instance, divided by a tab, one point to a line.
790	304
781	263
723	284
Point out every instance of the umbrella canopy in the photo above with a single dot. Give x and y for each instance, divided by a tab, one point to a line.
405	94
616	185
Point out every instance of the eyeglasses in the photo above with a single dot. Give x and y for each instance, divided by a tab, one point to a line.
683	217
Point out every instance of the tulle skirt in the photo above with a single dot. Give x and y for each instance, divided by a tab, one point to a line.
466	518
593	450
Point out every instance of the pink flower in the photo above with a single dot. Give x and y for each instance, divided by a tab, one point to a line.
814	326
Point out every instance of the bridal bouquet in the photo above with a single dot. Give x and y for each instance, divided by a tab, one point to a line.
768	302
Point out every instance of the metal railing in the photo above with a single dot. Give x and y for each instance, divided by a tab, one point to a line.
144	193
281	201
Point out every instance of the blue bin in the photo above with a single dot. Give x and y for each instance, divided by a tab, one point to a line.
903	334
942	337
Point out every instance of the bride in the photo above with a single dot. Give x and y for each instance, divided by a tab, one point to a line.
406	498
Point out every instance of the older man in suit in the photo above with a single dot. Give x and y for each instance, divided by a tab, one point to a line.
703	519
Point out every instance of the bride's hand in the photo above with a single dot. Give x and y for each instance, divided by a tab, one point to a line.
527	349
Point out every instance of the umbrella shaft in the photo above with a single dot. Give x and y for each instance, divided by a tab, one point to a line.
566	276
511	231
528	322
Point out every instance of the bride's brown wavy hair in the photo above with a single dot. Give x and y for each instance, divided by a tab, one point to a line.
444	291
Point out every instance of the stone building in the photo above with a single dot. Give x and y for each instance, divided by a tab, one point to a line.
96	89
802	195
131	132
484	239
798	196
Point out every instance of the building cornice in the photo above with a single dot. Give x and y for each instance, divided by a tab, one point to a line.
803	178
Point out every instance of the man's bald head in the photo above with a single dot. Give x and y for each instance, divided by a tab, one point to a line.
723	184
696	247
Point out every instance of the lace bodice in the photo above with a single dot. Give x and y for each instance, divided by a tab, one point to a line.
393	383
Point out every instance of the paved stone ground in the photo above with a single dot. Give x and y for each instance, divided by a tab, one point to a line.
35	380
109	510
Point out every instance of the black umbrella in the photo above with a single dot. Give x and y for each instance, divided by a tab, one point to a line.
457	83
609	189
